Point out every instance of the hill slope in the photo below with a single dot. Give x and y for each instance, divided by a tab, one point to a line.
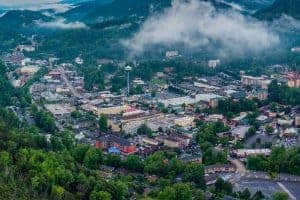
280	7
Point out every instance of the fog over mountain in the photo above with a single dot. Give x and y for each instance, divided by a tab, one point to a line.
196	24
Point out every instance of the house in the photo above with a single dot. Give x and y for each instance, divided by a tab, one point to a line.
239	132
175	141
60	110
215	118
239	119
109	141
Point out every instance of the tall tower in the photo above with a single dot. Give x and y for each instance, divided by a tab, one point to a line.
128	69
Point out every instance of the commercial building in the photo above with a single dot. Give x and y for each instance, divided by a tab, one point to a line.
211	99
293	79
184	121
213	63
218	168
297	120
243	153
29	70
113	110
261	82
171	54
150	141
109	141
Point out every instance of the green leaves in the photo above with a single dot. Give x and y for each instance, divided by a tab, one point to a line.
93	158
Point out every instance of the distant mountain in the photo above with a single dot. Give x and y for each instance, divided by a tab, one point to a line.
251	5
112	9
95	10
20	18
280	7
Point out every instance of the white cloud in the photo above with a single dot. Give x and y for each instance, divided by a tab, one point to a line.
35	5
20	3
57	7
61	23
199	25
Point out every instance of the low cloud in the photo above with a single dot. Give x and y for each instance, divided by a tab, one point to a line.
198	25
61	23
56	7
19	3
36	5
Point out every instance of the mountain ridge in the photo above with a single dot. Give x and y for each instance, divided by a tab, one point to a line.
279	8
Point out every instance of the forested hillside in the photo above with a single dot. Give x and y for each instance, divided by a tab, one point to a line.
279	8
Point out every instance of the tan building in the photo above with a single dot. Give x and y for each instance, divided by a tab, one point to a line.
59	110
184	121
150	141
293	79
256	81
29	70
106	111
297	120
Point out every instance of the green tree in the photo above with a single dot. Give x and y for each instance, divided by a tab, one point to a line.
103	125
280	196
145	130
133	163
274	91
101	195
178	191
113	160
269	129
57	192
93	158
194	172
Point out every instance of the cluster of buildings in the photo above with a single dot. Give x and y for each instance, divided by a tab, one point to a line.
170	115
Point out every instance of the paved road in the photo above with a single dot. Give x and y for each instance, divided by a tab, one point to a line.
69	85
287	191
239	166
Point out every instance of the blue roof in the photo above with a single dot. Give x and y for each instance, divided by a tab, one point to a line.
114	150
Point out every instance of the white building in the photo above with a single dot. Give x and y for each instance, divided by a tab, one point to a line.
171	54
190	100
242	153
59	110
79	60
213	63
239	132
